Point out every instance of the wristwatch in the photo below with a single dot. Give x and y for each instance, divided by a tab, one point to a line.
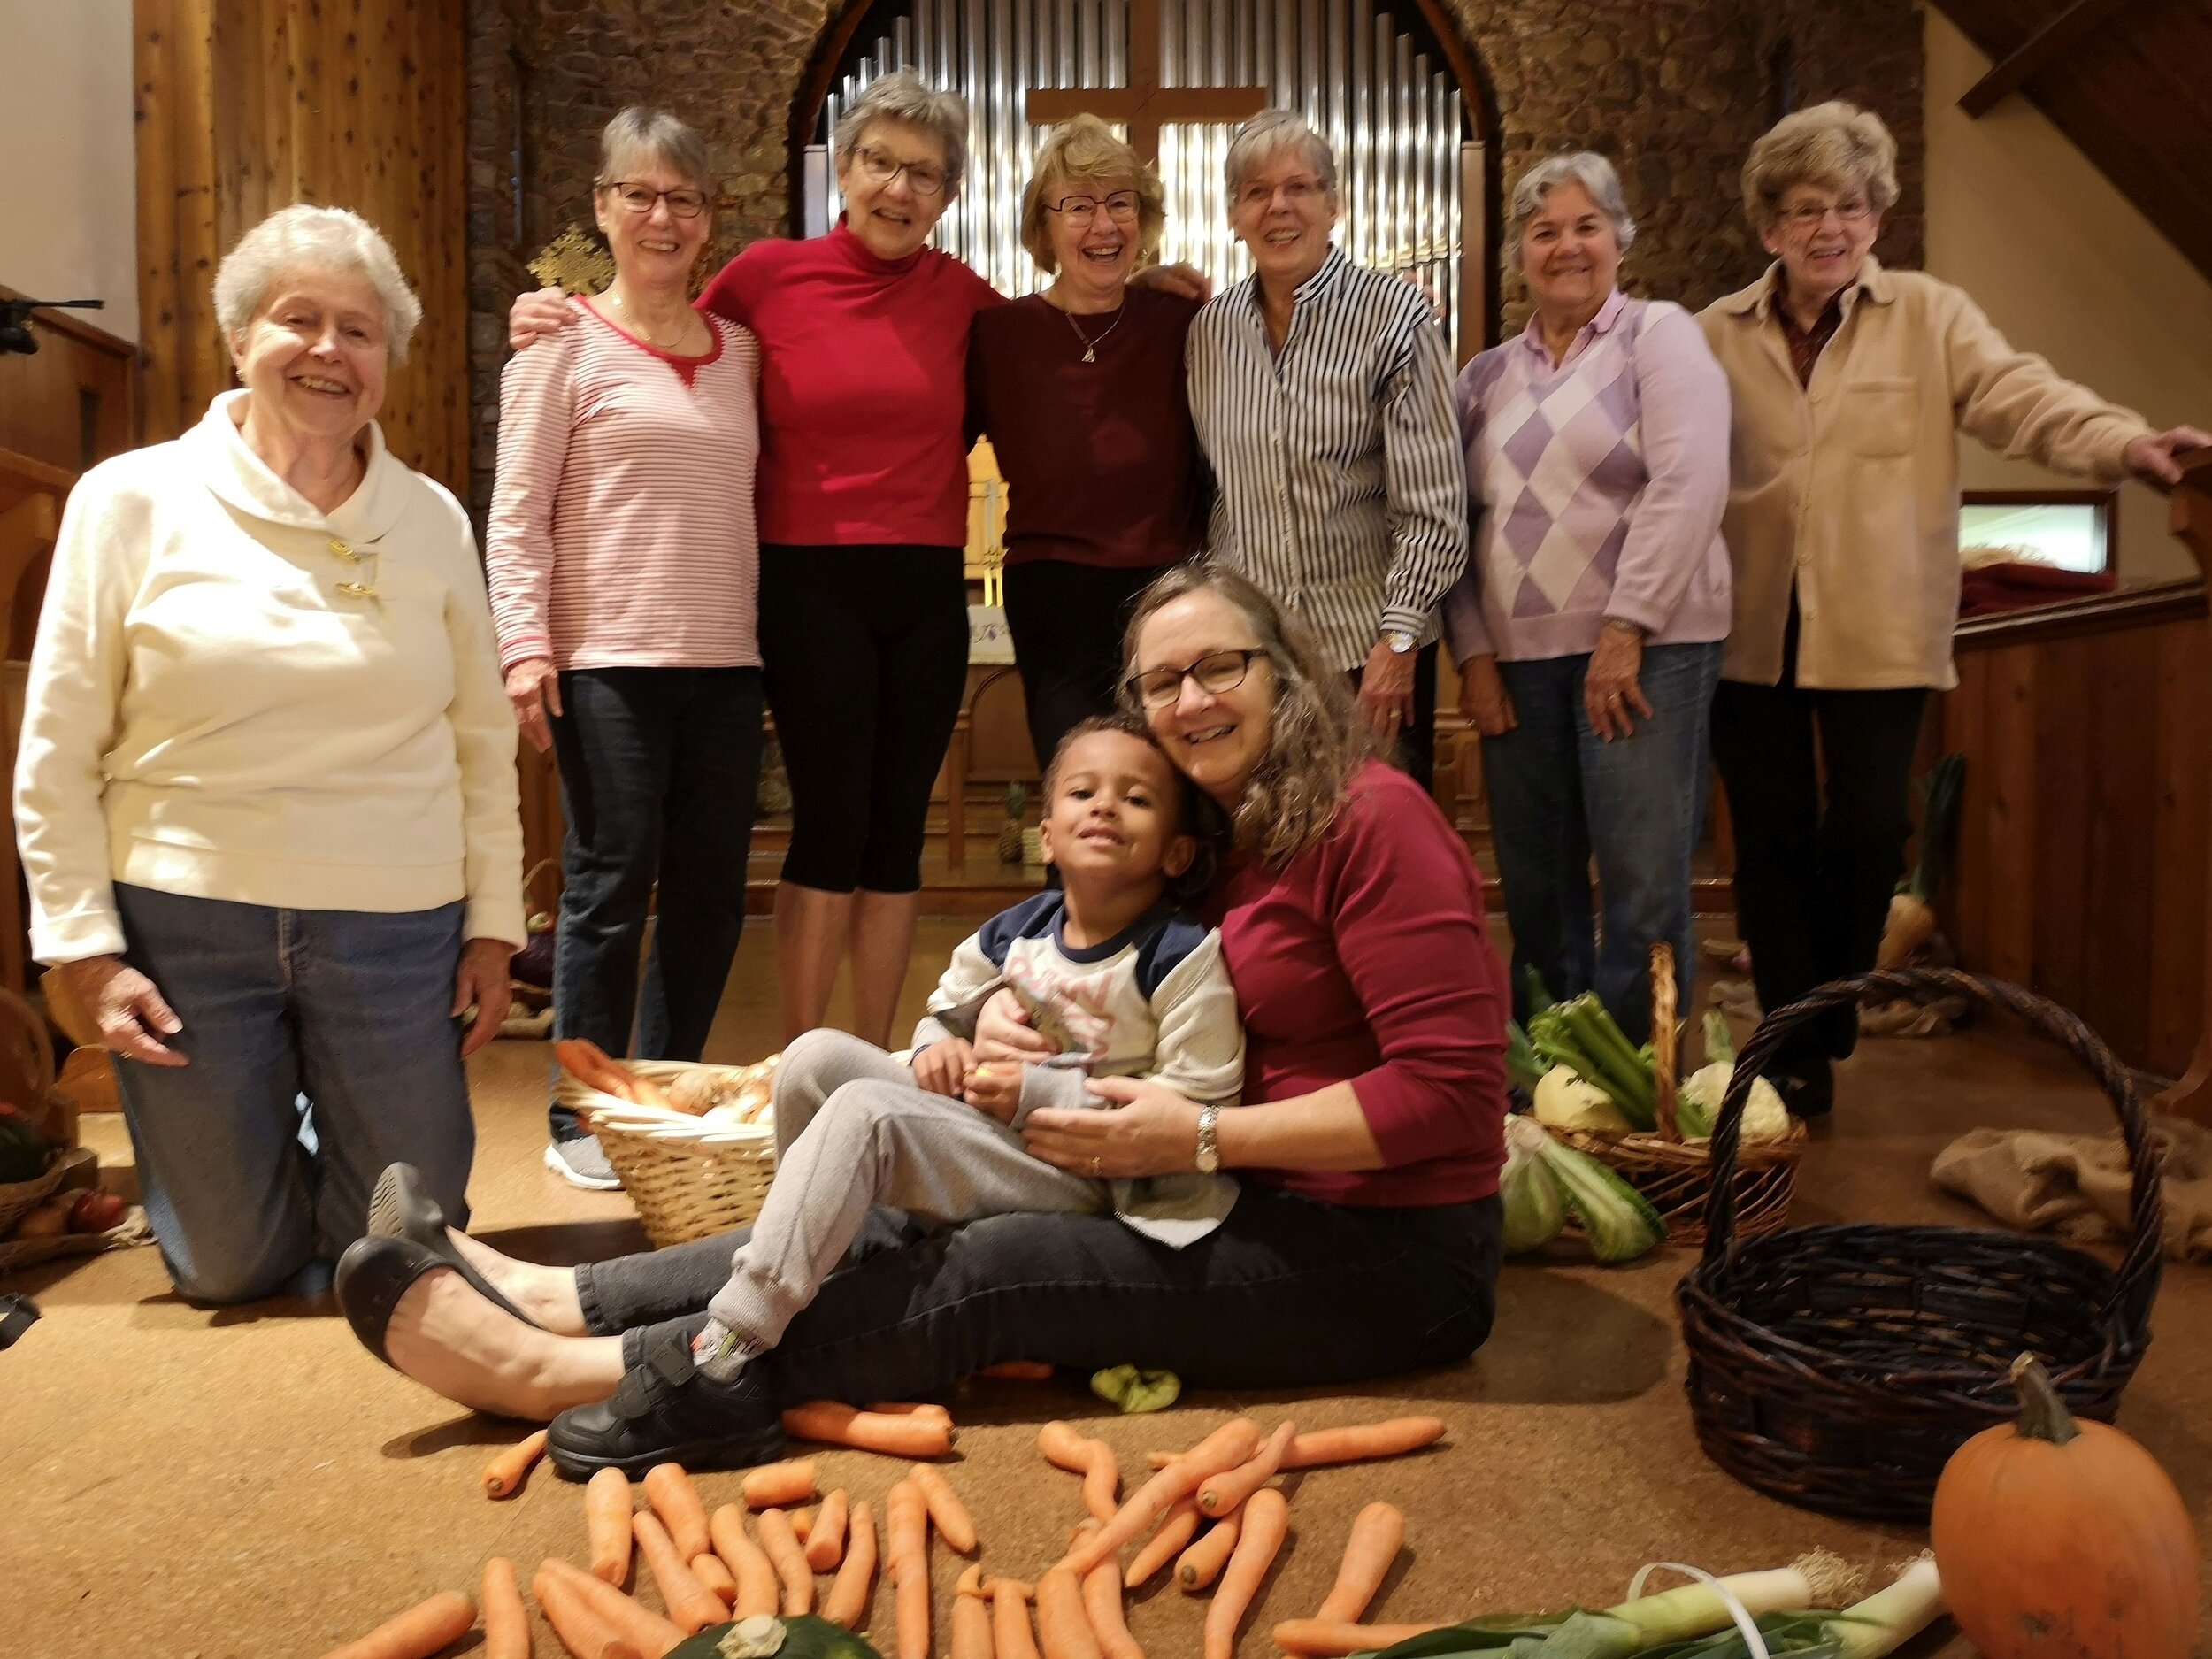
1398	639
1208	1146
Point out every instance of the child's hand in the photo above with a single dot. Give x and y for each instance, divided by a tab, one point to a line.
996	1089
942	1067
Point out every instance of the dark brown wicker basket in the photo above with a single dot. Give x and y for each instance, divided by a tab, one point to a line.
1839	1367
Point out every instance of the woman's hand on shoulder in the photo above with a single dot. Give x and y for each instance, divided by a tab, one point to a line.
132	1015
1002	1032
480	982
537	316
1187	280
1148	1130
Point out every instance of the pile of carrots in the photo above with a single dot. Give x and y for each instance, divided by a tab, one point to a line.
1212	1510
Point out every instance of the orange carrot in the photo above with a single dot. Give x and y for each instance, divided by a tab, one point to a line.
970	1617
1232	1487
782	1547
1320	1638
1393	1439
708	1568
651	1634
676	1501
1065	1449
851	1591
582	1628
906	1517
825	1538
1202	1564
1092	1459
1177	1528
503	1476
417	1634
1063	1626
1224	1448
1266	1522
607	1520
947	1513
802	1522
909	1409
758	1589
1011	1637
1101	1601
1378	1534
506	1624
691	1603
590	1064
779	1485
837	1425
1018	1371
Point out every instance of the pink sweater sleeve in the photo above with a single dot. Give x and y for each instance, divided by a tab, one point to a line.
1411	937
536	410
1683	394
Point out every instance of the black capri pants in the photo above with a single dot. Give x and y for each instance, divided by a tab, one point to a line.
866	656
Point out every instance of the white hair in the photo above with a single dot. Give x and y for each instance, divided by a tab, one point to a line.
320	238
903	96
641	134
1585	167
1267	135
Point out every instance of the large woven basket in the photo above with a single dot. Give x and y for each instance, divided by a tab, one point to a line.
1839	1367
1676	1176
689	1179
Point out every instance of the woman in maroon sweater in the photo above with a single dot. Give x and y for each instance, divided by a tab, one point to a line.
1364	1241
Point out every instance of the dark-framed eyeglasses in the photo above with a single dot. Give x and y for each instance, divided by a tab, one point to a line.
1081	210
1809	218
684	203
1215	672
879	167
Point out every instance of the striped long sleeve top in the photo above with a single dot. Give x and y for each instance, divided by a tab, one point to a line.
1342	489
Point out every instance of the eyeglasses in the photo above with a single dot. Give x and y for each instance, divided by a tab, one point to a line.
1807	219
1215	672
1297	192
1081	210
922	177
638	198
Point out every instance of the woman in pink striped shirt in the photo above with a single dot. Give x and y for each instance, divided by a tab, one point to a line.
623	570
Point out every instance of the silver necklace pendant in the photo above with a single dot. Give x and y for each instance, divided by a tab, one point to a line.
1089	355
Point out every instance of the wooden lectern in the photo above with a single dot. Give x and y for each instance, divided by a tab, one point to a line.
2191	520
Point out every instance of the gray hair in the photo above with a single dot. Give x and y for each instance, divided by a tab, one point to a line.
640	131
1265	136
903	96
324	238
1585	167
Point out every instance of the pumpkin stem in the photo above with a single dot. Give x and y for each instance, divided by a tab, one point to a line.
2043	1415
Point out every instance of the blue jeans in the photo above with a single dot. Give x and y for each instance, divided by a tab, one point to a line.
659	771
349	1009
1559	795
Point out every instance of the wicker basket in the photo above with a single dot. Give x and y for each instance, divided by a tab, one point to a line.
689	1179
1676	1176
1839	1367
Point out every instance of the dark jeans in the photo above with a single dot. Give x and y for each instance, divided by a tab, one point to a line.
1814	877
659	769
1414	753
1067	621
1288	1292
1558	793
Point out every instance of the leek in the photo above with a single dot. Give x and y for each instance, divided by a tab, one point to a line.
1889	1618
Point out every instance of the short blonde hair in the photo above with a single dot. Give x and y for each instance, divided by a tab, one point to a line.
639	132
903	96
1836	145
319	238
1085	151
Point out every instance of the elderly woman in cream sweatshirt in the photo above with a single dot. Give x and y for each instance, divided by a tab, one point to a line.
265	792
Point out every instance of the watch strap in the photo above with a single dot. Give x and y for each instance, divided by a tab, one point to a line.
1209	1159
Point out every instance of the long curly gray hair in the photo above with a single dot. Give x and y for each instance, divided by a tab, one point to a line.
1316	740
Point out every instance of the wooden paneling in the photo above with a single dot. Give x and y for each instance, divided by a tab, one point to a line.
2088	817
74	401
246	106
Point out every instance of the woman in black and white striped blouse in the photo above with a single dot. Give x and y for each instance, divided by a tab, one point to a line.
1323	396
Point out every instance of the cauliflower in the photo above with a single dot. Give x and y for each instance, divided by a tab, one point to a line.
1697	1105
1564	1101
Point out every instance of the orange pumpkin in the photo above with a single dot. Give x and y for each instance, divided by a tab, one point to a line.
2061	1540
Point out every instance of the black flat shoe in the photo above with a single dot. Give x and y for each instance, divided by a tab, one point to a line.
665	1412
401	1209
373	1275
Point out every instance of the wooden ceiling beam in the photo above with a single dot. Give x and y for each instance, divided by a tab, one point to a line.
2065	29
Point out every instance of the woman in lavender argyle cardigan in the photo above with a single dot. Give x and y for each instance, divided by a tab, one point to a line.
1587	627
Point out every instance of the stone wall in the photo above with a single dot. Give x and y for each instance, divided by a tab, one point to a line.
1673	90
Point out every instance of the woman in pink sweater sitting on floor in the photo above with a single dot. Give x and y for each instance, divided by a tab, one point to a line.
1363	1241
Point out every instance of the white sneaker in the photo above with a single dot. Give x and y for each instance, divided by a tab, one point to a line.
581	1161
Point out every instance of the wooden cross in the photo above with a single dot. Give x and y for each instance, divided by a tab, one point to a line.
1144	105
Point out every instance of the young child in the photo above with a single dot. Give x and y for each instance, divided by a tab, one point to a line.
1131	987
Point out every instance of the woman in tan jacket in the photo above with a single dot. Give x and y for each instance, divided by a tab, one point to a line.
1848	382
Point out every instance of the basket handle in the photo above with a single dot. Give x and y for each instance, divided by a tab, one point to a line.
2138	1280
1666	1039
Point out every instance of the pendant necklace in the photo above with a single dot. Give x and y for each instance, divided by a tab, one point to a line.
640	325
1090	345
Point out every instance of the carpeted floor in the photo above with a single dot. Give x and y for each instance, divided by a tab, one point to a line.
203	1485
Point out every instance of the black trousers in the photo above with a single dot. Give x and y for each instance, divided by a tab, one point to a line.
1288	1293
1815	867
1414	754
1067	621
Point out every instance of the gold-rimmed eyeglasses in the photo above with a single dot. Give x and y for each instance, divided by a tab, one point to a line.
684	201
1215	672
1809	218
